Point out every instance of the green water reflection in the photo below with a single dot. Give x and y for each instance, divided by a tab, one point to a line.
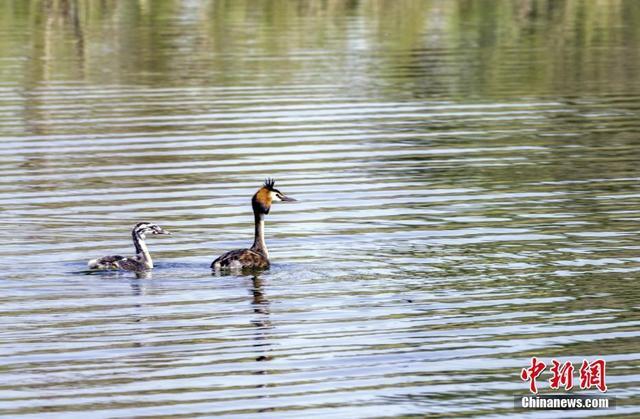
461	49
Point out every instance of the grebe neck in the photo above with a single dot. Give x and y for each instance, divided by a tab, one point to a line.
142	252
258	243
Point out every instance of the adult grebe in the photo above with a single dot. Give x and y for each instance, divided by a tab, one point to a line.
141	261
257	256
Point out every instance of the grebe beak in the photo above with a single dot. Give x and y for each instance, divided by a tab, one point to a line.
165	232
287	199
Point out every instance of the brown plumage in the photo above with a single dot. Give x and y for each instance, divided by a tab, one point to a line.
263	196
241	258
257	256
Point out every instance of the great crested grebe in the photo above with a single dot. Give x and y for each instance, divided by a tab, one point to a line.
257	256
141	261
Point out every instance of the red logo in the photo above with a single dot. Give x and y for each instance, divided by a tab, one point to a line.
562	375
532	373
591	374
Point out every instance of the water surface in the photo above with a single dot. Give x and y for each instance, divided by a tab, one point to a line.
468	177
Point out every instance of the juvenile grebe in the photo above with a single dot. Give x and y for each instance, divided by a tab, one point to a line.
257	256
141	261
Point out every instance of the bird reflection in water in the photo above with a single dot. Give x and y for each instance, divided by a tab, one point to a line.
139	288
262	321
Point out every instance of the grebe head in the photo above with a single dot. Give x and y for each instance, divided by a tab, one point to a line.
266	195
144	228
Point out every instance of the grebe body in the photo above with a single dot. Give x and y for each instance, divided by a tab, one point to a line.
141	261
257	256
